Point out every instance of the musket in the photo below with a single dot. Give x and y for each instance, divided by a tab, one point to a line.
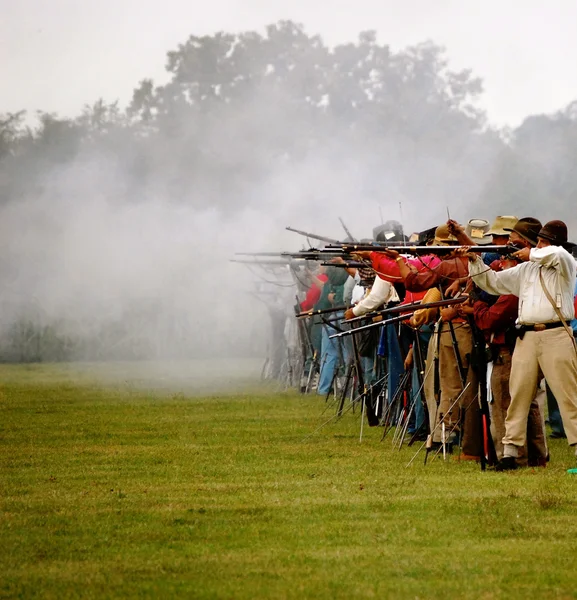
350	264
413	306
365	327
266	263
321	311
420	250
411	309
313	254
349	234
313	236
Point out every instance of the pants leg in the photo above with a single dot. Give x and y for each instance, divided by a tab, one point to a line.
451	382
554	414
329	361
558	361
501	398
429	381
523	387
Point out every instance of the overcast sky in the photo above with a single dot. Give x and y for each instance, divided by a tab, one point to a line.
57	55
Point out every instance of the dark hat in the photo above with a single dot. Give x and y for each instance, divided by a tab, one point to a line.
391	231
555	232
426	236
528	228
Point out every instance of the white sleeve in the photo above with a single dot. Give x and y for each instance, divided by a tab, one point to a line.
503	282
556	257
379	294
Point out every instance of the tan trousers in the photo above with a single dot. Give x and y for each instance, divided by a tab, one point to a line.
429	381
467	407
536	447
552	353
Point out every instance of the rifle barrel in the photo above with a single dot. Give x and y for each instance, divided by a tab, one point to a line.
352	248
314	236
409	308
321	311
365	327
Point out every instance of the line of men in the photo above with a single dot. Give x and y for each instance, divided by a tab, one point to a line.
520	309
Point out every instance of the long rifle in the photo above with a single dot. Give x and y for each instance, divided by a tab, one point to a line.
321	311
411	307
407	308
349	234
419	250
365	327
314	236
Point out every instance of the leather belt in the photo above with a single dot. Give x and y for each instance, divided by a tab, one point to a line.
541	326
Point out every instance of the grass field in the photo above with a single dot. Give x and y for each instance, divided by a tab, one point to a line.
118	490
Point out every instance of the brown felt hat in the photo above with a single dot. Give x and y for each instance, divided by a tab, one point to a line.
502	224
555	232
528	228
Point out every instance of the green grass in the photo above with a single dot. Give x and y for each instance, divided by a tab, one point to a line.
113	492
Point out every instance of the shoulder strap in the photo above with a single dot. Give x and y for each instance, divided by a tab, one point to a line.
556	309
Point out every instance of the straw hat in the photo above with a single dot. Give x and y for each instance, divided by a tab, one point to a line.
502	224
443	237
477	230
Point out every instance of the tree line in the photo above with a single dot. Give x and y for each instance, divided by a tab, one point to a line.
242	110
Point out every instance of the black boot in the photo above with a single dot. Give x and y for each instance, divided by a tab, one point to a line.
507	463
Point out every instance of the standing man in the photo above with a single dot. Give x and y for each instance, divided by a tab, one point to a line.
545	286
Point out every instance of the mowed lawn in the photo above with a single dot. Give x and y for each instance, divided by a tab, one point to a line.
115	492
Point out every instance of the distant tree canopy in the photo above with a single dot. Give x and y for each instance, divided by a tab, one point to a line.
239	107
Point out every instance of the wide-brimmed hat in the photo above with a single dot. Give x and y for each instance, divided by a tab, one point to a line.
502	225
528	228
443	237
477	230
426	237
555	232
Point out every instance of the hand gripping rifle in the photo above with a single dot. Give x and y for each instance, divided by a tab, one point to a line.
413	306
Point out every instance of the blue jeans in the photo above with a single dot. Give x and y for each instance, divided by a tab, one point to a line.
331	354
555	420
389	347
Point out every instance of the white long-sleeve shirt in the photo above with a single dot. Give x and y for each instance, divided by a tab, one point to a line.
381	292
559	271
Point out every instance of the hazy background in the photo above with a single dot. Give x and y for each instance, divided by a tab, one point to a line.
129	176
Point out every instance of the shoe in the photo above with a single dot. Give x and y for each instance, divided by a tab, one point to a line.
557	435
537	462
507	463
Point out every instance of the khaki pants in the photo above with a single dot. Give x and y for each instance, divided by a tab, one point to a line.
536	447
465	415
429	381
552	353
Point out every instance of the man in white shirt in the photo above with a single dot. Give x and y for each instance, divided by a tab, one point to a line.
381	293
544	343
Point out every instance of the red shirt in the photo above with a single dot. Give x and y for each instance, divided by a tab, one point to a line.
313	294
494	320
443	274
388	269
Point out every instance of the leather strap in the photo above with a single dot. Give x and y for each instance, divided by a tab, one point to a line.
556	309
